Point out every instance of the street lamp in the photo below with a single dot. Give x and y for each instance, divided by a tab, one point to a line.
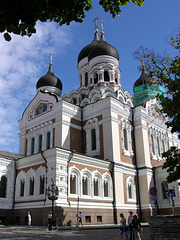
53	193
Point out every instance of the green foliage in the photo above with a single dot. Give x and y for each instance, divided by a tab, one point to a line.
172	164
165	71
20	17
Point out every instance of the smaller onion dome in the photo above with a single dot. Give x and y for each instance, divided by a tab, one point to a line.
103	48
85	51
50	82
144	78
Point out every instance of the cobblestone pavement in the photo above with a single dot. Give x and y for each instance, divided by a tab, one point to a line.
25	233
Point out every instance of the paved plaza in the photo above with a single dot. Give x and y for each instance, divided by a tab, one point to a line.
41	233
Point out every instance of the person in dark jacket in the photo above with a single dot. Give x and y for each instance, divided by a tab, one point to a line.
136	227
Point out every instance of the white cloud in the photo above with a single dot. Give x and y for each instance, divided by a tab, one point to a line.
22	63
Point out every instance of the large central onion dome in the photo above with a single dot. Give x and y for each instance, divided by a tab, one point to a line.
98	48
103	48
50	82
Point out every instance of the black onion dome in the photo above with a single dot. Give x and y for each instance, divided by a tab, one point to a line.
103	48
49	80
144	78
85	51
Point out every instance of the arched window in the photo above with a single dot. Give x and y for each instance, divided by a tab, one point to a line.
163	146
3	187
106	76
93	139
31	186
40	143
48	139
82	96
73	180
116	77
86	79
96	186
106	188
22	186
130	189
164	188
152	145
32	145
126	139
85	185
95	77
74	101
42	184
158	147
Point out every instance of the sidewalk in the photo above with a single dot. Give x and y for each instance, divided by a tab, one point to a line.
73	227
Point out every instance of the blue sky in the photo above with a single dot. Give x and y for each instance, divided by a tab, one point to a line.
24	60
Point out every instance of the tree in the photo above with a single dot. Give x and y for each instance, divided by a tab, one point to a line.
165	70
20	17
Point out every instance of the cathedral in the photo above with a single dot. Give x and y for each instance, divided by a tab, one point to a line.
99	146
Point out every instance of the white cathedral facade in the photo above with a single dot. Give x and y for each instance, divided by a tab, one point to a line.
100	145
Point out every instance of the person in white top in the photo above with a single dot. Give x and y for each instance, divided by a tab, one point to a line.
130	218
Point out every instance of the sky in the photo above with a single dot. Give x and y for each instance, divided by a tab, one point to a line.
24	60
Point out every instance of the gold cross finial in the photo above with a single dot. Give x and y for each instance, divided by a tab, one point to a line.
142	59
101	23
95	20
51	58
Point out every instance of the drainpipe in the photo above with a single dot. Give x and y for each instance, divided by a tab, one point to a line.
137	171
13	204
156	201
114	193
42	154
69	159
82	133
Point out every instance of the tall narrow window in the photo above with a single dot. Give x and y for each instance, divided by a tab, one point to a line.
163	146
42	184
40	143
32	145
158	147
48	136
93	139
3	187
31	186
152	142
22	184
106	189
85	186
130	191
73	184
125	139
106	76
95	78
96	184
86	79
74	100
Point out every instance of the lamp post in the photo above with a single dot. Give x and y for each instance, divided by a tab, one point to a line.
53	193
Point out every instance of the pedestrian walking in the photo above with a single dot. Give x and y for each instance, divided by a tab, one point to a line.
136	227
80	218
124	231
130	218
29	219
50	221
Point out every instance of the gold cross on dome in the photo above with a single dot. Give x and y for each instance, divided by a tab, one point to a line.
142	59
95	20
51	57
101	23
